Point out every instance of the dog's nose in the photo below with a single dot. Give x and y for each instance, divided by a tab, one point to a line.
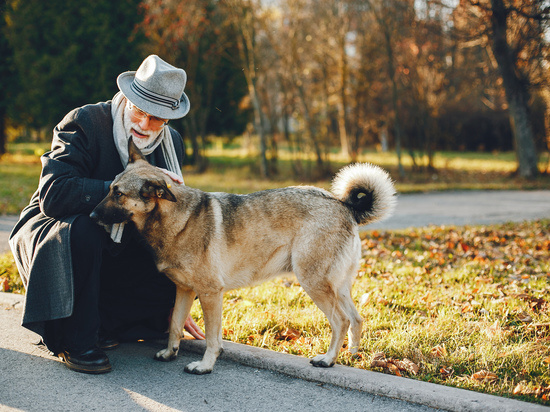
94	216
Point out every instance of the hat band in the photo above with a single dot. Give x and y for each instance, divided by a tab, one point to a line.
155	97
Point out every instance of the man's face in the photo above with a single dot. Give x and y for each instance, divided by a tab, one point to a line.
143	127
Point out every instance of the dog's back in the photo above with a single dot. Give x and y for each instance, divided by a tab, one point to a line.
258	236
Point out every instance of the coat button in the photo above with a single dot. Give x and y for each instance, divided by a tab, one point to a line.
87	198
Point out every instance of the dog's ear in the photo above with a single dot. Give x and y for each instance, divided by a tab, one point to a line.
133	152
158	189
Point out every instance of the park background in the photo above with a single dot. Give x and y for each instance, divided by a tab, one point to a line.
444	94
302	80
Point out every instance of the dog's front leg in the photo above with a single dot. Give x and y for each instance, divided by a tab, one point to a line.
182	307
211	304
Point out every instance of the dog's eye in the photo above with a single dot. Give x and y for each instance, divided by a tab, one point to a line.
118	193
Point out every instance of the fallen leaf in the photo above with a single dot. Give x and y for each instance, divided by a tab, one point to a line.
378	364
446	372
379	356
288	334
365	297
524	317
522	389
408	365
394	365
440	351
4	284
485	376
394	368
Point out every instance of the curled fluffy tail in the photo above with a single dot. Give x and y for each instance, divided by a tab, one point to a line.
367	190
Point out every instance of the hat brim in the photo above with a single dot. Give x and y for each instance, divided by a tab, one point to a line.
124	82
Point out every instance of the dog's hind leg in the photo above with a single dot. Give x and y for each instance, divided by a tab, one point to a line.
182	307
356	322
211	304
326	298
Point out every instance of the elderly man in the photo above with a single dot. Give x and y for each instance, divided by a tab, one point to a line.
88	288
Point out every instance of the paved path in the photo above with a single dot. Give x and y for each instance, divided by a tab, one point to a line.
247	378
467	208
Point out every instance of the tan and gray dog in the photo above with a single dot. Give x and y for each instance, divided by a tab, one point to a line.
209	243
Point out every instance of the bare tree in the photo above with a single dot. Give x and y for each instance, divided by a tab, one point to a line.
192	34
245	19
388	15
514	30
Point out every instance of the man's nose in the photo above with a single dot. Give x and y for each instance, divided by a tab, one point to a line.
144	123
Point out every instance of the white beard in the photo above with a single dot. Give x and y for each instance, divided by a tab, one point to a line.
141	143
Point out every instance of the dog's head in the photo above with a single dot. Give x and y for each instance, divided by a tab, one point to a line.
134	193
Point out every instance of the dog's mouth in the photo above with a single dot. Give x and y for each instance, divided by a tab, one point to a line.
111	218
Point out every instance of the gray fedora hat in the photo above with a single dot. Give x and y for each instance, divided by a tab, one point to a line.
156	88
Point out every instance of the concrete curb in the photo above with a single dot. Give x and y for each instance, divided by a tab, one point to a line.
410	390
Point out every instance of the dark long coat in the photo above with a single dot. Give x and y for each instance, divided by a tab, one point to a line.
75	177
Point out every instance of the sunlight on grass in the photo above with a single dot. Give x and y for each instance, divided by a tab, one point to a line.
237	170
18	181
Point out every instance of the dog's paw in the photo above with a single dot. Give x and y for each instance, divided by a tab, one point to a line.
196	368
322	361
165	355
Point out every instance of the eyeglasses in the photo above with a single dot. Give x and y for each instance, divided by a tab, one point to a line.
154	122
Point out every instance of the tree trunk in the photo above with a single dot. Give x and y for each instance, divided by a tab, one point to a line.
517	94
342	104
395	105
3	136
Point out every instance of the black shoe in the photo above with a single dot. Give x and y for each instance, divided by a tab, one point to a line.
91	361
106	343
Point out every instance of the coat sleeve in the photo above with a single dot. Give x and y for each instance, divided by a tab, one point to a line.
66	187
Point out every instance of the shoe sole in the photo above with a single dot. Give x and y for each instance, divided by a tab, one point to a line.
84	369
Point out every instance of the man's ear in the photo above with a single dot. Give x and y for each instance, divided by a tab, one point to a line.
157	189
133	152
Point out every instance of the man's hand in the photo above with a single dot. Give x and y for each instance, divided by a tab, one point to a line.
176	178
193	329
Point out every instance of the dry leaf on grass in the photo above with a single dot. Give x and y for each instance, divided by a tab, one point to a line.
288	334
395	366
542	392
522	389
524	317
408	365
446	372
484	376
440	351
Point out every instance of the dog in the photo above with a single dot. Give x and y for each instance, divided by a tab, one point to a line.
209	243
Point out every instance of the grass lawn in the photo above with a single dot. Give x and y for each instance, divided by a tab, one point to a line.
460	306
